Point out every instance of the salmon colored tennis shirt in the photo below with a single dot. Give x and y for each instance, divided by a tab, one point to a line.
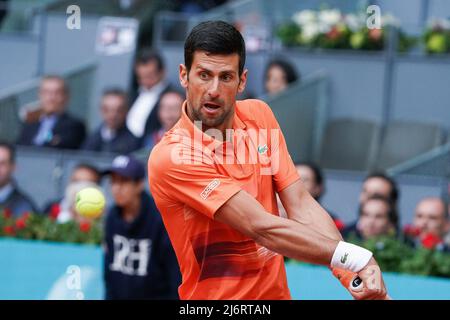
192	174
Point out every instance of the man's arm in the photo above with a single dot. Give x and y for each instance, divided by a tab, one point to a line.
302	207
284	236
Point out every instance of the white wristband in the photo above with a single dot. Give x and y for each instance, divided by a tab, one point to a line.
350	257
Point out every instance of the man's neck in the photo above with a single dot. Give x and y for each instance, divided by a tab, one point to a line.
132	210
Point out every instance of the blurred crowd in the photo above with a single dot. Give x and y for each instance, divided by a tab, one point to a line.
139	260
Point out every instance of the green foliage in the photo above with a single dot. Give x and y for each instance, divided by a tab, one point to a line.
393	255
40	227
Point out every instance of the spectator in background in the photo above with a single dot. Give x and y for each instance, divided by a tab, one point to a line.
380	185
113	134
377	217
430	225
83	175
313	180
150	72
55	128
12	200
168	114
279	75
139	259
3	10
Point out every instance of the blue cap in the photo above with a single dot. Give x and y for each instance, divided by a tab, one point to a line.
128	167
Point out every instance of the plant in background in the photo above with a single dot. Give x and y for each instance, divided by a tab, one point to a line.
331	29
437	37
40	227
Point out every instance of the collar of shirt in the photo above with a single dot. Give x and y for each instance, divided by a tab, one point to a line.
107	134
6	191
196	133
156	89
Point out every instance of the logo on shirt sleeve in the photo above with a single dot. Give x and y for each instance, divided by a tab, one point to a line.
209	188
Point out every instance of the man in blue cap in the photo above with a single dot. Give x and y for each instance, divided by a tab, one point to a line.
139	259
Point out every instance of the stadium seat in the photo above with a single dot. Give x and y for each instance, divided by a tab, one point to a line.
404	140
349	144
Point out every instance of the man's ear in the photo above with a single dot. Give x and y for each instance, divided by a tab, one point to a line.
183	76
242	81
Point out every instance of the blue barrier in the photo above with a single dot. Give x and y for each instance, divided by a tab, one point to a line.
44	270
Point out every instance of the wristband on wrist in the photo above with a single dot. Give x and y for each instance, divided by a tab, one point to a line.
350	257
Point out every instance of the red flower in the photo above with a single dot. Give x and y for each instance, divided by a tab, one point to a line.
430	241
411	230
375	34
334	33
8	230
85	226
7	213
55	209
20	223
26	215
339	224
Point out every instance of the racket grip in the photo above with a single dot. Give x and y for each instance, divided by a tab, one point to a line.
350	280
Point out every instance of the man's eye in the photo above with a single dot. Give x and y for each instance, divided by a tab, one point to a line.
226	77
203	76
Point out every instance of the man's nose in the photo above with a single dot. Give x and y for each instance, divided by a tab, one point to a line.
213	90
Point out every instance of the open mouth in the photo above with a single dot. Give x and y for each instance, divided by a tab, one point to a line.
211	107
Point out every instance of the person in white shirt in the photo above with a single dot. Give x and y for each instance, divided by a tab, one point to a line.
150	74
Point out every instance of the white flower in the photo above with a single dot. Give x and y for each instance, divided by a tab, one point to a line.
439	22
355	22
330	17
310	31
304	17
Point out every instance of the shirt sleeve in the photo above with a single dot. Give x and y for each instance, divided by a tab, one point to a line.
284	172
194	181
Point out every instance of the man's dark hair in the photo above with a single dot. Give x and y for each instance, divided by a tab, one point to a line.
392	212
394	194
148	55
214	37
90	167
11	149
288	69
318	175
115	91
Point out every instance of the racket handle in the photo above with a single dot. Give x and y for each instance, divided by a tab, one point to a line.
351	280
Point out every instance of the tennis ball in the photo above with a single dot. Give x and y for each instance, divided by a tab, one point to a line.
90	202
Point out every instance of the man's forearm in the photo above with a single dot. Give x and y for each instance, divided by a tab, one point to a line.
295	240
304	209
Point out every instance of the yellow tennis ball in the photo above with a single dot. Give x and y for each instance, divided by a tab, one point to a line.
90	202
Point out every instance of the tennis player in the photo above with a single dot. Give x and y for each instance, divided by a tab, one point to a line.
214	177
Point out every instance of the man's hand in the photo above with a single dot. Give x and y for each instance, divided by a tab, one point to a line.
372	287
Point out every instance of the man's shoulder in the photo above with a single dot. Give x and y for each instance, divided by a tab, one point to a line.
254	110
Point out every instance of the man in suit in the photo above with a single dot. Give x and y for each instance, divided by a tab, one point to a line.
12	200
55	127
113	134
151	77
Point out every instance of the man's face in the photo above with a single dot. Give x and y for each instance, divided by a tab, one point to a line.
375	186
114	111
6	167
170	109
124	190
374	219
275	80
211	88
309	181
52	96
430	217
148	75
84	174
